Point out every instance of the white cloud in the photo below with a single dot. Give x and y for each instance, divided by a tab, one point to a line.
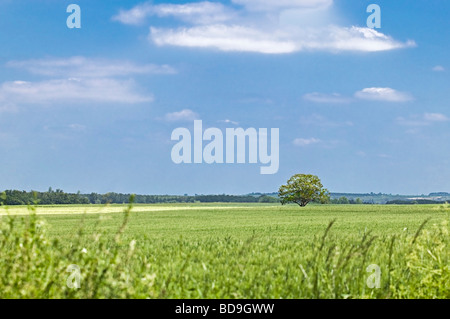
276	41
356	39
302	142
198	13
207	12
438	68
79	66
334	98
271	5
227	29
373	94
423	120
184	115
258	26
72	90
224	38
227	121
435	117
135	15
77	80
383	94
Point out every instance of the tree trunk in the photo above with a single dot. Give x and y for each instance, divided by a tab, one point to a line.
302	203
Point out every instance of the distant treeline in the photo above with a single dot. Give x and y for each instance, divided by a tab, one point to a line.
58	197
15	197
414	202
345	201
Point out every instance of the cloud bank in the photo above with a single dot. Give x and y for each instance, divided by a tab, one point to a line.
77	80
254	27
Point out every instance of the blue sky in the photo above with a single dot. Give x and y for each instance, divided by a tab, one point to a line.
92	109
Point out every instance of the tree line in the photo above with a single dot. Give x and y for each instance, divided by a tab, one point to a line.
59	197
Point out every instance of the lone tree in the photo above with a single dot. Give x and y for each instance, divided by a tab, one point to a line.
302	189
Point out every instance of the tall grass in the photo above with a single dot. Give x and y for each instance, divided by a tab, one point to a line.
329	265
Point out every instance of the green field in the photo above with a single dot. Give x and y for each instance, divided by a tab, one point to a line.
225	251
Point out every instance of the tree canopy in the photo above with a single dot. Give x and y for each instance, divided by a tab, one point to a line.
302	189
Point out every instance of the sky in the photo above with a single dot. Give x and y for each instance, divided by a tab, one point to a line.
92	109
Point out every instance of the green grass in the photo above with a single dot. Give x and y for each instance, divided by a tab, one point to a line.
225	251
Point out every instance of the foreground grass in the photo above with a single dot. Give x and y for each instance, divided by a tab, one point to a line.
226	251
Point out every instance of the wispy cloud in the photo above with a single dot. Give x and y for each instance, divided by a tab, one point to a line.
197	13
423	120
302	142
7	107
361	153
77	127
79	66
185	115
371	94
383	94
71	91
272	5
319	120
206	12
65	132
438	68
334	98
380	155
134	16
77	80
435	117
227	121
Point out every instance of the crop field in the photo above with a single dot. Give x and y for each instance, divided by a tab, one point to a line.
225	251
